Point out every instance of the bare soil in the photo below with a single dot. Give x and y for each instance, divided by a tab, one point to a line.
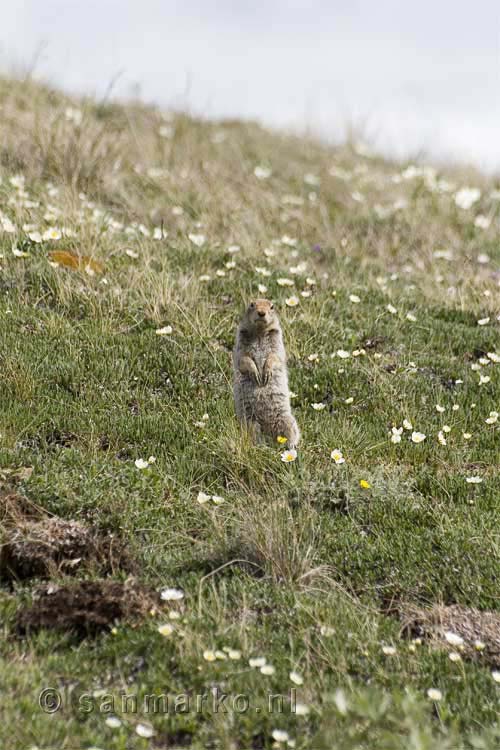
86	607
473	625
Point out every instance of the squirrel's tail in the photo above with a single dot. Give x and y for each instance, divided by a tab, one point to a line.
289	428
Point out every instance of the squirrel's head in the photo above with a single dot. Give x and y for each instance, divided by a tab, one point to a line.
261	315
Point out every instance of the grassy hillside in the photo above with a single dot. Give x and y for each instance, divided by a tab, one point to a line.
130	242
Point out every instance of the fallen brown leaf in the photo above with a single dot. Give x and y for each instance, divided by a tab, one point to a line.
76	262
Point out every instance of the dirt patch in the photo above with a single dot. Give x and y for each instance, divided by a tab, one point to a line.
480	630
87	607
35	545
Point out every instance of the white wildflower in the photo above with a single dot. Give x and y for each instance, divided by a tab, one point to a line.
434	694
197	239
171	595
417	437
453	639
466	197
262	173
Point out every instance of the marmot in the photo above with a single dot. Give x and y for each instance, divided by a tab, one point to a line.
261	393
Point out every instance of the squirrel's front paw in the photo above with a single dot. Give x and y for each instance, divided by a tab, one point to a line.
267	375
257	378
254	376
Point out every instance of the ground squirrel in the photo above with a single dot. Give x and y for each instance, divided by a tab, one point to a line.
261	393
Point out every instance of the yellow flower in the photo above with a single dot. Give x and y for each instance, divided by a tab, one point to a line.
364	484
281	439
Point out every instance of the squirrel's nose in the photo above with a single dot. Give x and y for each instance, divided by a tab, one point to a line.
261	313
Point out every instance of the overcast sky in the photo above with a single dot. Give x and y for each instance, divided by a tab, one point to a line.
415	75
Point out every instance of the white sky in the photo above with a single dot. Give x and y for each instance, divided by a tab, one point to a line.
415	75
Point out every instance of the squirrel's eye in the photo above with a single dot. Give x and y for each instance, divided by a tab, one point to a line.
272	307
252	305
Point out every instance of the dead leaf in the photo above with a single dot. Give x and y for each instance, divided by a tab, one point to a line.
76	262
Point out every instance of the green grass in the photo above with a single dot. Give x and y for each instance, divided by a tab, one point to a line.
300	564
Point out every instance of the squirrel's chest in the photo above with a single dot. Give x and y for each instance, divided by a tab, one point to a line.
259	351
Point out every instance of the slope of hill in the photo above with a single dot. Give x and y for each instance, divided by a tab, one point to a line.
362	591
